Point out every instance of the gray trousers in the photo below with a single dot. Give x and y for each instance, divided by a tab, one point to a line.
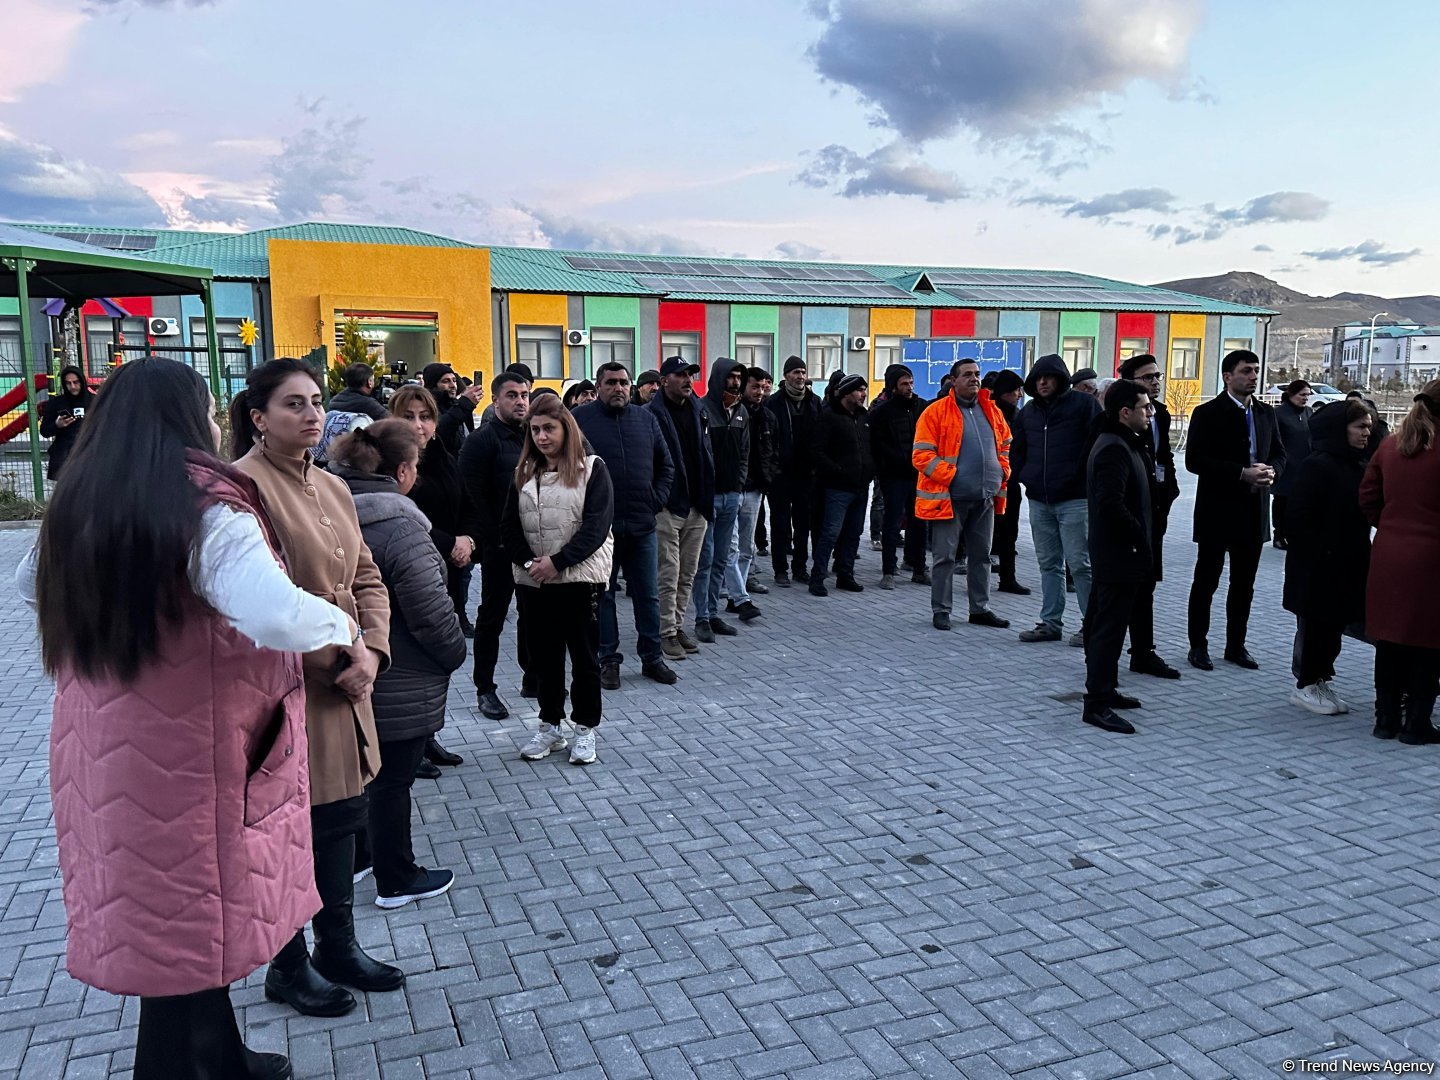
976	522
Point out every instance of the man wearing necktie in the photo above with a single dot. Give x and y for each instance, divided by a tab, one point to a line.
1234	447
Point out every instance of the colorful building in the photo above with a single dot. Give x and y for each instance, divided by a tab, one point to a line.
564	313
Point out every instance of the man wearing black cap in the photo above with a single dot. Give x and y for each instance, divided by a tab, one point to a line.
729	429
892	438
1144	369
1087	381
647	385
681	523
1006	387
796	410
843	471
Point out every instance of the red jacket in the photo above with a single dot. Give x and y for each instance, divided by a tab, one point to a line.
1401	497
182	807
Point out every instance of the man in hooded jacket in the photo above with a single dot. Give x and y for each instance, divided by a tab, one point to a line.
729	428
843	471
892	439
796	409
1052	435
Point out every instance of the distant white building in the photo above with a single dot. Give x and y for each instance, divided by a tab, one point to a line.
1408	353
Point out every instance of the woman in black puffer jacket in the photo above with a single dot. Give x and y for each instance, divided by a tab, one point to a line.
379	464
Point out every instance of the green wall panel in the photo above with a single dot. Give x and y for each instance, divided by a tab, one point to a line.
612	311
756	319
9	305
1079	324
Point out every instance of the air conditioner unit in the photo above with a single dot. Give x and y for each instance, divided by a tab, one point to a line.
859	344
164	327
577	337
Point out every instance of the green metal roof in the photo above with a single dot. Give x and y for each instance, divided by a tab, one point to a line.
74	271
523	270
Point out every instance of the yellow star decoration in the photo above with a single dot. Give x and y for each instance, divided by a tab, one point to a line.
248	331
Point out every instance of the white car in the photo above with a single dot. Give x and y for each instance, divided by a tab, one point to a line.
1320	394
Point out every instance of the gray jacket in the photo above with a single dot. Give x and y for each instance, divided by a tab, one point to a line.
426	643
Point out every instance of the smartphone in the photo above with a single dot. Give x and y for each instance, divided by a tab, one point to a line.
77	413
478	378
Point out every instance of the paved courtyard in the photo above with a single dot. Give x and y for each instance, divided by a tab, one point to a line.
846	845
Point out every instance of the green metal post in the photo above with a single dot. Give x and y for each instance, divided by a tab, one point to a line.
27	369
207	297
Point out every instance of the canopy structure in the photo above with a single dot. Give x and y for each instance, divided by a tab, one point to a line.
36	264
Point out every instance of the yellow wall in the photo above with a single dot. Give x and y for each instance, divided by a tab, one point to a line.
1182	395
311	280
887	321
540	309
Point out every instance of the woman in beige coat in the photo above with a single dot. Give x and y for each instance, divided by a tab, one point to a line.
275	421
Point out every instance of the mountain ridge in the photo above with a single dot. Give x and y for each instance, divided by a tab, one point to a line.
1300	311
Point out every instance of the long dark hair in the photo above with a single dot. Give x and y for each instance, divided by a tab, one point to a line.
260	387
379	448
116	541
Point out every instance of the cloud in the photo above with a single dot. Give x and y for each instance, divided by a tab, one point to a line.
319	170
794	249
1367	251
1262	247
154	5
891	170
38	183
1001	68
1278	206
574	234
1131	200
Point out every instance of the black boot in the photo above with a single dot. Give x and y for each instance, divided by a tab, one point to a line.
1417	730
338	955
438	755
295	982
1387	713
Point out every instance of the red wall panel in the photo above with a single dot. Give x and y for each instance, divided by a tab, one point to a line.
952	322
1126	326
687	317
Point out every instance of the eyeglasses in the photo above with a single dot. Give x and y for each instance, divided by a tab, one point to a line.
1154	376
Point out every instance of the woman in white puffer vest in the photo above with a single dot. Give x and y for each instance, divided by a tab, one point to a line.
556	529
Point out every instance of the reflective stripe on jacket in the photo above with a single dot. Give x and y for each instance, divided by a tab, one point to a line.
937	451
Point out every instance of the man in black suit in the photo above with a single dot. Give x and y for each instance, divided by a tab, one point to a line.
1164	490
1234	448
1118	484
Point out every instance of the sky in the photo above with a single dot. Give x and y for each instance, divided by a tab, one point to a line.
1145	140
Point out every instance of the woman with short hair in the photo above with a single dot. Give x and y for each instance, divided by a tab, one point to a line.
556	530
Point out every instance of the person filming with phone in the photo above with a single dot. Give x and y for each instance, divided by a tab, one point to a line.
62	417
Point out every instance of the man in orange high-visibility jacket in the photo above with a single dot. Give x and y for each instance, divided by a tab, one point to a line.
962	456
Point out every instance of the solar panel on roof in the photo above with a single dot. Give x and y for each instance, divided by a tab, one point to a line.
577	263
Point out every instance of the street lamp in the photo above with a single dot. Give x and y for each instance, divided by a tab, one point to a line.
1370	353
1295	357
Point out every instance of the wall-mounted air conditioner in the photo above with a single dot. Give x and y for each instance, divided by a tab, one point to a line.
859	344
577	337
164	327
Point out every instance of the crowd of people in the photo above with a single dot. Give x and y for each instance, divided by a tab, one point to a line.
273	666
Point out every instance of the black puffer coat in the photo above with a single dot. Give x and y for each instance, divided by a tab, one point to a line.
426	644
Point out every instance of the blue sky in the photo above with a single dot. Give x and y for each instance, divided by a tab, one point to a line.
1141	139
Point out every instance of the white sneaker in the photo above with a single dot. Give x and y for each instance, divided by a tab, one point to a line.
583	752
1314	699
1334	698
548	738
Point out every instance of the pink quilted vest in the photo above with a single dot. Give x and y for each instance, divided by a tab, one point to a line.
182	805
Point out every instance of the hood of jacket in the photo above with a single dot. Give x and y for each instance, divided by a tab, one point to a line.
893	374
1329	431
715	386
1050	364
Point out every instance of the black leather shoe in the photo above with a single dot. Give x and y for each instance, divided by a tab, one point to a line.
747	611
349	965
817	587
491	707
704	632
1200	658
1241	658
802	576
940	620
427	770
660	671
1124	701
848	584
722	628
610	676
1106	720
989	618
1151	664
782	580
438	755
307	991
1010	585
266	1066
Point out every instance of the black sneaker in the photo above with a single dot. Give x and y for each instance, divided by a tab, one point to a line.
940	620
429	883
802	576
704	633
817	588
782	580
723	628
848	584
660	671
610	676
1042	632
748	612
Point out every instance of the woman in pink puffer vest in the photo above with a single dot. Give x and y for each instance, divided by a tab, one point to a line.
178	753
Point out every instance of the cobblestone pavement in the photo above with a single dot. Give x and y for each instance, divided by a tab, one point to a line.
847	845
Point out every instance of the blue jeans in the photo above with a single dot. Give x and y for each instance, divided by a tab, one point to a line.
842	523
743	560
715	555
1060	531
638	557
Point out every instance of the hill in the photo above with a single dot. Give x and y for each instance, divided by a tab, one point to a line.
1301	312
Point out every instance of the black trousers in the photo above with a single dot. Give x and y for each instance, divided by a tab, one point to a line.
1277	517
1007	533
333	827
1406	669
1209	562
564	619
457	584
791	526
391	852
898	505
1112	606
497	589
761	536
190	1037
1319	645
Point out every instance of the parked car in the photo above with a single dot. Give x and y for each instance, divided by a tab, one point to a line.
1320	394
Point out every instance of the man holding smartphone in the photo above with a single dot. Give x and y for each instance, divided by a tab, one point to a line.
62	415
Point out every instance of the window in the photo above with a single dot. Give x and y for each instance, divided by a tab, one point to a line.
542	348
100	339
10	345
886	349
1185	358
612	345
1233	343
822	354
226	330
1079	352
1133	346
678	343
756	350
